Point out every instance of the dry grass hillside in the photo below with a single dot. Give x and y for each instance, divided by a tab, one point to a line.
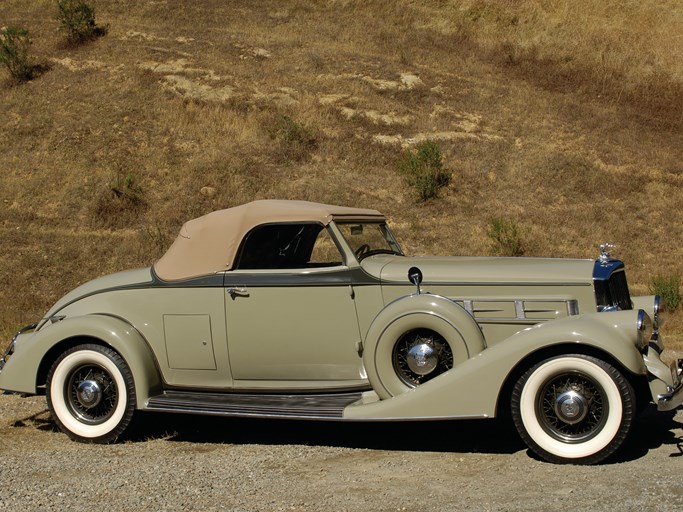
565	118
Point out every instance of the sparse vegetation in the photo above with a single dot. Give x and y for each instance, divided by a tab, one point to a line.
295	139
14	54
668	287
77	20
423	169
506	237
626	53
121	202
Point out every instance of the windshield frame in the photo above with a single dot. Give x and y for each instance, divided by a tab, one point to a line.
372	243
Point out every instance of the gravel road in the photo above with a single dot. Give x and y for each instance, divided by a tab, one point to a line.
178	462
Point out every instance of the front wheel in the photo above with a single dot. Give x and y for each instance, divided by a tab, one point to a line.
573	409
90	393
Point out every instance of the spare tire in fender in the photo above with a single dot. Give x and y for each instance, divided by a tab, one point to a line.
426	323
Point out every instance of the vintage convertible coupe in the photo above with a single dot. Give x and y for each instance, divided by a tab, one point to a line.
292	309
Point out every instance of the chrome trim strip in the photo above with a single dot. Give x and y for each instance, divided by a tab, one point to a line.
522	308
519	310
324	406
511	321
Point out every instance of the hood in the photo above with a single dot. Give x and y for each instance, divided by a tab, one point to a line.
493	270
126	279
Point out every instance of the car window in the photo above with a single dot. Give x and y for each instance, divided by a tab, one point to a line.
284	246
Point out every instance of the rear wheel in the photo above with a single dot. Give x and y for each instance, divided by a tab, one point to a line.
90	393
573	409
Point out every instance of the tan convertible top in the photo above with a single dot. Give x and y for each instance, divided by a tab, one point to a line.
209	244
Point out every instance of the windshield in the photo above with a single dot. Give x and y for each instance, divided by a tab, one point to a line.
368	238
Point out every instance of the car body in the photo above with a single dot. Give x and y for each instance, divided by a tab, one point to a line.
293	309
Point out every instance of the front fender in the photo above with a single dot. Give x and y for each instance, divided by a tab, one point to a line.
472	389
33	351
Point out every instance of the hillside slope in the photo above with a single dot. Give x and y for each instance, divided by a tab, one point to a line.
567	121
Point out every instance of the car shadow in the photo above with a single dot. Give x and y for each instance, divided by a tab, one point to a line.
651	430
471	436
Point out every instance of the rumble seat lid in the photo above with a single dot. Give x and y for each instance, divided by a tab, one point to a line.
209	244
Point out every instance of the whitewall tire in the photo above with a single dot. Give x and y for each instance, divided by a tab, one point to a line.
90	393
573	409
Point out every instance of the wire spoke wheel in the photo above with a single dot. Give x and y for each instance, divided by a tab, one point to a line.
420	355
573	408
91	393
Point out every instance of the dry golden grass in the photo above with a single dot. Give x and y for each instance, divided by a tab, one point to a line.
565	117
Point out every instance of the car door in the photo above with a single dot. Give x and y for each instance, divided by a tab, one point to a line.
290	312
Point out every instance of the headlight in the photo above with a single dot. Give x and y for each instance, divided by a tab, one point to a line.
643	324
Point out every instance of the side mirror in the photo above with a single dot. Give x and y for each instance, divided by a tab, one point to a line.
415	277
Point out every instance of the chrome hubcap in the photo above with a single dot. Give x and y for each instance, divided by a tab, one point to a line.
420	355
571	407
89	393
422	359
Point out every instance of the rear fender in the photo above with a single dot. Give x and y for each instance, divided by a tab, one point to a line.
35	352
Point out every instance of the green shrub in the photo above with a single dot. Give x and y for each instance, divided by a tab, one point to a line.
296	140
77	21
14	45
669	289
506	237
423	169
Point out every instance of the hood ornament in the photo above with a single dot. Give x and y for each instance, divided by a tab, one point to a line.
605	252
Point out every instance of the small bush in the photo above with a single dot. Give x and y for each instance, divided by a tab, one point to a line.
77	21
669	289
506	237
120	203
14	45
423	169
296	140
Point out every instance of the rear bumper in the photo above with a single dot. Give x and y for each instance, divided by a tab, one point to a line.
11	374
10	349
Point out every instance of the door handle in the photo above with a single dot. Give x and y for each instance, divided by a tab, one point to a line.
237	292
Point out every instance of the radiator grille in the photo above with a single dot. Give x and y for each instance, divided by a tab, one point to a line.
613	293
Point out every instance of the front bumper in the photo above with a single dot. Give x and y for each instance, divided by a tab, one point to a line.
674	395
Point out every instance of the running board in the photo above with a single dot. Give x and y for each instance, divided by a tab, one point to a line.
319	406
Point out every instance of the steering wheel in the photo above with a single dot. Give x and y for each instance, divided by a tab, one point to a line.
362	250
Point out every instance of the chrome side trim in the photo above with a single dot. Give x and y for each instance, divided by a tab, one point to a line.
318	406
522	309
323	407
